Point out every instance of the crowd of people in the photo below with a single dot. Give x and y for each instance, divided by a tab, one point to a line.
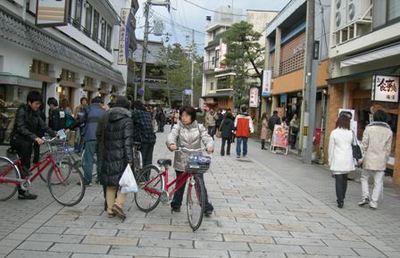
111	130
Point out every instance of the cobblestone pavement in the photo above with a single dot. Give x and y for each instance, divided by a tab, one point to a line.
265	206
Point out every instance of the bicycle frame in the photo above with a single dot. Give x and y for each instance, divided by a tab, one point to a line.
40	166
179	181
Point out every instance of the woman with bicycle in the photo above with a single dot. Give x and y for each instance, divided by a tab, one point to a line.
188	133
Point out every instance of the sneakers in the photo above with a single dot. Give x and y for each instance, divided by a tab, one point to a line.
363	202
373	205
26	195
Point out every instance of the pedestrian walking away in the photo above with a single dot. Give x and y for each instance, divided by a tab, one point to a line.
210	122
243	128
188	134
93	113
376	145
294	130
264	130
27	128
341	159
117	152
143	131
79	113
227	127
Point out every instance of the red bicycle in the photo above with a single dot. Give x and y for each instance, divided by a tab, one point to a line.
154	186
65	185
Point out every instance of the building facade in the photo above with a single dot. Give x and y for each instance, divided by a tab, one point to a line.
365	61
66	62
217	91
285	59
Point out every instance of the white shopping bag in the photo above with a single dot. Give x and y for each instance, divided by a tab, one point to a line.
127	182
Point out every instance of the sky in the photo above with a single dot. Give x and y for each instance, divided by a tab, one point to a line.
185	16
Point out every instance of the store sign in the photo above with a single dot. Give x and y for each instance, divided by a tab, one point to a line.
254	98
266	83
51	13
385	88
123	43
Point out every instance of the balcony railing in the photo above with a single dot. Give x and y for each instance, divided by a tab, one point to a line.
209	66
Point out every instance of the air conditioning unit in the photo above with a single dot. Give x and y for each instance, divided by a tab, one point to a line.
356	10
340	14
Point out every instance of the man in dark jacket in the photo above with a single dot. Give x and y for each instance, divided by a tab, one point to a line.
116	144
274	120
27	130
144	131
56	116
92	116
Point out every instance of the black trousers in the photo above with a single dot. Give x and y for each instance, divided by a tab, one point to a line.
24	150
341	187
147	153
178	196
226	141
211	131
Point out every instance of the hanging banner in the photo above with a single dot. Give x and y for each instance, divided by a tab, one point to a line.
280	138
123	43
254	98
266	84
385	88
51	13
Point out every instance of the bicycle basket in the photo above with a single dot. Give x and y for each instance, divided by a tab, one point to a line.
198	164
59	148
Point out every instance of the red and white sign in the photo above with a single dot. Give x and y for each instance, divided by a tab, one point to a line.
254	98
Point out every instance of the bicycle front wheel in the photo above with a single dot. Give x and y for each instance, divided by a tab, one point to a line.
8	175
151	185
195	202
67	191
65	167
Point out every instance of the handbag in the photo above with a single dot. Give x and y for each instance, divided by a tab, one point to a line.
357	153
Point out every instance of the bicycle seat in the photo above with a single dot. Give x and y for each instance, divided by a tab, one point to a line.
164	162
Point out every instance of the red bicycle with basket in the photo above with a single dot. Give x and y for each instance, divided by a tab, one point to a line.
154	186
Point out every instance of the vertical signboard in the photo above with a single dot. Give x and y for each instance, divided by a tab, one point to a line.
254	98
51	13
266	83
123	42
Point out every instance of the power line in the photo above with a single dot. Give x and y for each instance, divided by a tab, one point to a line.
175	23
210	10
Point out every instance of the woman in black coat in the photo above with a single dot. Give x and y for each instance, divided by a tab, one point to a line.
227	127
116	144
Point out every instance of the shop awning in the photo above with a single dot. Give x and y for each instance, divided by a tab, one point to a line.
394	70
373	55
223	94
10	79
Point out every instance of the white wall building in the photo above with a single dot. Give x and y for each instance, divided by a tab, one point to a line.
79	59
217	89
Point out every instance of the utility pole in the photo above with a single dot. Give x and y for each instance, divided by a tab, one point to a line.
147	6
192	79
311	66
144	46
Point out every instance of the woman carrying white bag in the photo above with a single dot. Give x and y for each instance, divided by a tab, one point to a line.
116	145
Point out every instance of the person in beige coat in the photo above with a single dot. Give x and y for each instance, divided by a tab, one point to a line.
264	130
341	160
188	133
376	145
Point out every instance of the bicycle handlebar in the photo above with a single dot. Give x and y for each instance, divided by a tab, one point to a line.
182	149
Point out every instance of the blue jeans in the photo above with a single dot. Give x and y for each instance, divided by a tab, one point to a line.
88	160
239	142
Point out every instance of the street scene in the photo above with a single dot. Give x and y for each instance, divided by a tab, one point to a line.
190	128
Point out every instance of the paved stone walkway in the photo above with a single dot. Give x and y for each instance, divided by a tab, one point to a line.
258	213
